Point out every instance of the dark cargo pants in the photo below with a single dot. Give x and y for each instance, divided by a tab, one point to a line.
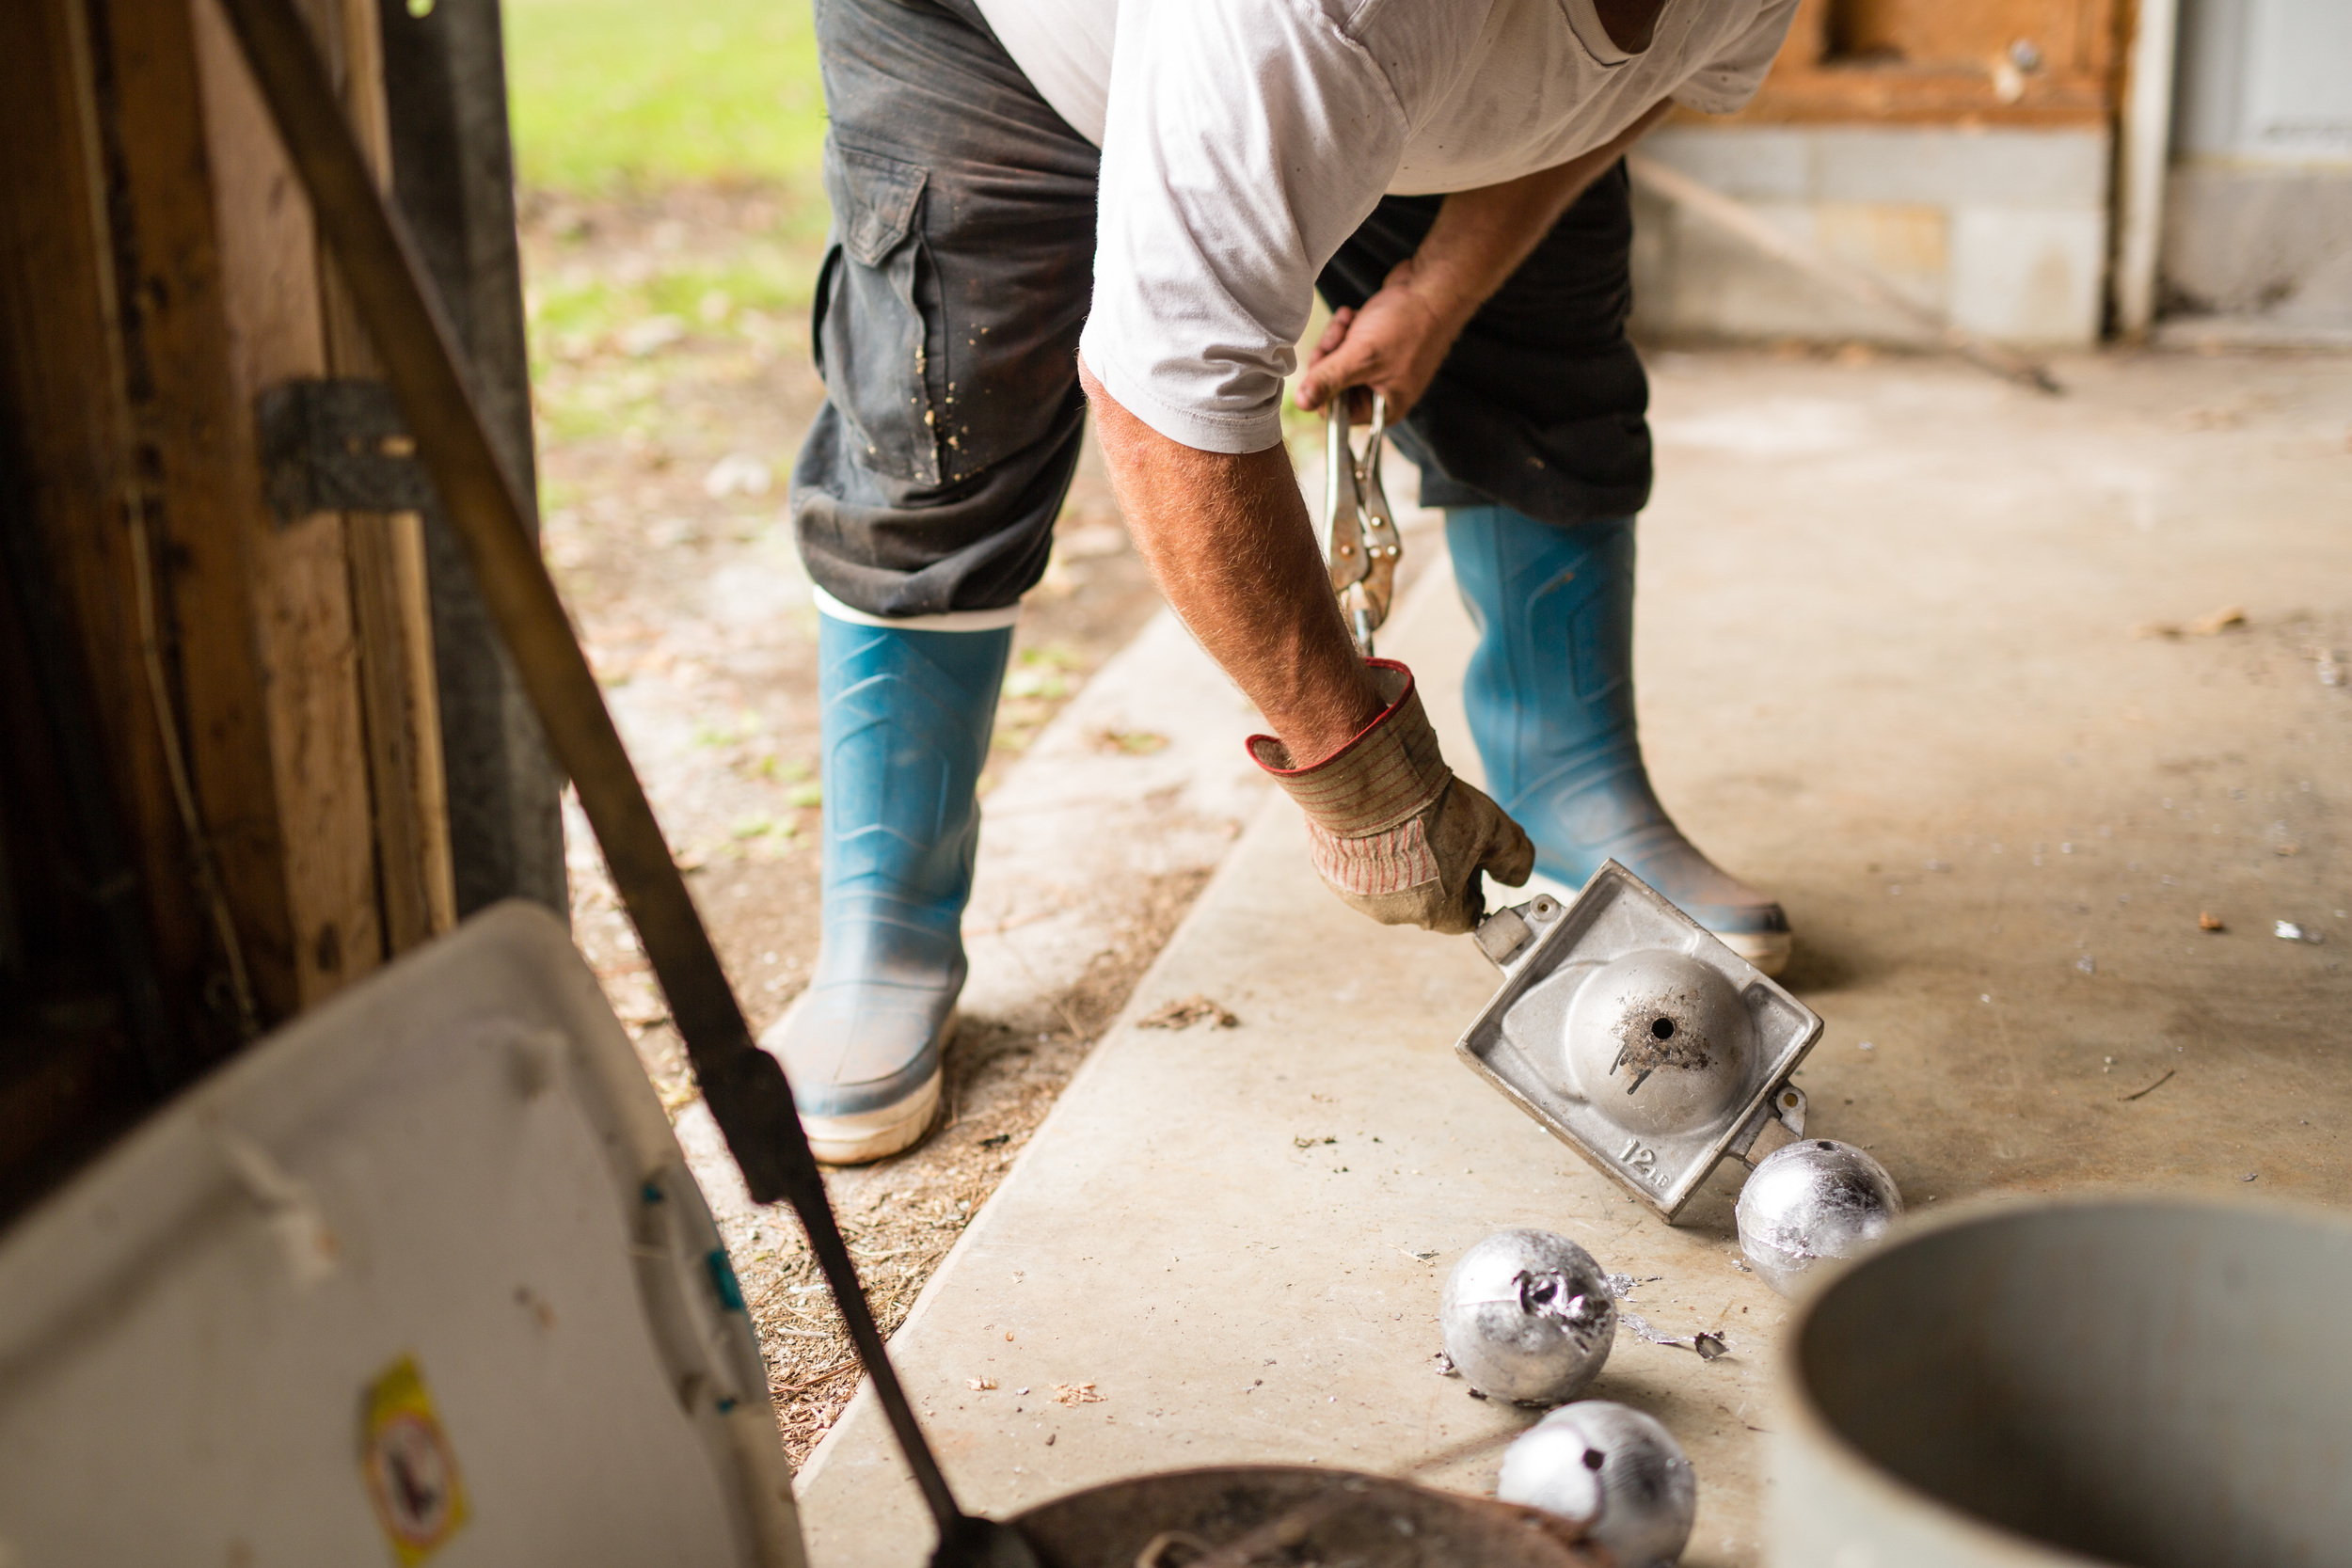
959	275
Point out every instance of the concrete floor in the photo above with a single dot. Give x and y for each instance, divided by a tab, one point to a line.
1890	669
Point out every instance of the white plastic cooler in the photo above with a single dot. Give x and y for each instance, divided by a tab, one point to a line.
422	1278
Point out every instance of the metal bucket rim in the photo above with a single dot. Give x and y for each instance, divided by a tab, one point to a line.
1804	1419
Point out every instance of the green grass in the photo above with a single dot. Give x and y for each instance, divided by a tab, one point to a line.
699	296
623	333
612	96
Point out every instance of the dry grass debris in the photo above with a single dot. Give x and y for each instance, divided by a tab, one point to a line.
1184	1014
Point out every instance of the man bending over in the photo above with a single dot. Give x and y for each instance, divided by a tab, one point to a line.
1040	204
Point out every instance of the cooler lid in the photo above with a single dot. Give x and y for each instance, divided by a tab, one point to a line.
420	1277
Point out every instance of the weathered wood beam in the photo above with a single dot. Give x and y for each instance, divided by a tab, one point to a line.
391	616
87	466
263	691
454	179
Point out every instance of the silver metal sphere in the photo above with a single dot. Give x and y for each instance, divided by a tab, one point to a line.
1816	1198
1616	1469
1527	1316
1660	1042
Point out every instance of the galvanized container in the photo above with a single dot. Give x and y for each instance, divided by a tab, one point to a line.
2159	1383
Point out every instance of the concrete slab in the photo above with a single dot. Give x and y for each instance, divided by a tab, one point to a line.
1143	776
1889	669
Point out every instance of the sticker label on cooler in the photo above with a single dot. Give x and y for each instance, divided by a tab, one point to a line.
410	1468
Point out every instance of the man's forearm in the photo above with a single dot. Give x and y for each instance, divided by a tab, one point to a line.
1480	236
1229	541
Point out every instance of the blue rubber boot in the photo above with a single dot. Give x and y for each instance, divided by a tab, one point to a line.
905	723
1550	692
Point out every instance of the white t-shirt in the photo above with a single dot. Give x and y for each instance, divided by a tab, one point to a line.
1244	140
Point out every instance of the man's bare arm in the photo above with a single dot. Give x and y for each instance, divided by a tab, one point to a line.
1227	538
1229	541
1395	342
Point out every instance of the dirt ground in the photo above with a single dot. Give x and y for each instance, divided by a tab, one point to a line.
673	386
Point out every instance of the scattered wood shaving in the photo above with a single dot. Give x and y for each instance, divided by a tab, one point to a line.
981	1384
2208	921
2221	620
1075	1394
1185	1014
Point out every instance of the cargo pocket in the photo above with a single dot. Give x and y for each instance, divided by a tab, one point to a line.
869	323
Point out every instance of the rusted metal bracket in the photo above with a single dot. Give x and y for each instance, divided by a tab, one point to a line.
338	445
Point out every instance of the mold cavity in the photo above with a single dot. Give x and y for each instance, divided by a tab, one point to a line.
1662	1028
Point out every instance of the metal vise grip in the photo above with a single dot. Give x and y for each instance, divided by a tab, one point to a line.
1360	541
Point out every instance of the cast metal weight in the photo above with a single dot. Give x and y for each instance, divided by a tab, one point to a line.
1614	1469
1813	1200
1528	1316
1635	1038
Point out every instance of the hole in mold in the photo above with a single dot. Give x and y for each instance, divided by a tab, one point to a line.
1662	1028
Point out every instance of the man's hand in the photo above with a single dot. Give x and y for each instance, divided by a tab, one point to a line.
1390	828
1396	342
1394	345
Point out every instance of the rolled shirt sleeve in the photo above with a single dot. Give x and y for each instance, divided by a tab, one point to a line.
1244	141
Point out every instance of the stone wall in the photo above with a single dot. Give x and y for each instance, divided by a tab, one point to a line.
2005	230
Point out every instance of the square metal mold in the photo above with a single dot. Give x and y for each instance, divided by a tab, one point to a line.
1635	1037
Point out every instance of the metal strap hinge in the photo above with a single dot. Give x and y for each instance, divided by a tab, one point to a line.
338	445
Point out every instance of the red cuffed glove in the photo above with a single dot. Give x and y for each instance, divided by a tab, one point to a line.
1390	829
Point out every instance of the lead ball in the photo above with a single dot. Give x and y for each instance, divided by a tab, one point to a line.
1615	1469
1527	1316
1814	1199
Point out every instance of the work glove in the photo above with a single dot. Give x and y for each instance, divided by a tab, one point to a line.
1390	828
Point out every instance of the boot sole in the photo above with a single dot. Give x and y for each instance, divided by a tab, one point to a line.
877	1134
866	1136
1768	950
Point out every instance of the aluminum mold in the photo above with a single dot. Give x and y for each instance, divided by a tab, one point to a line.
1517	1043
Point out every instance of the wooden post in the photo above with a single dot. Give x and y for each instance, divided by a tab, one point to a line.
454	174
391	613
298	576
350	660
2143	156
